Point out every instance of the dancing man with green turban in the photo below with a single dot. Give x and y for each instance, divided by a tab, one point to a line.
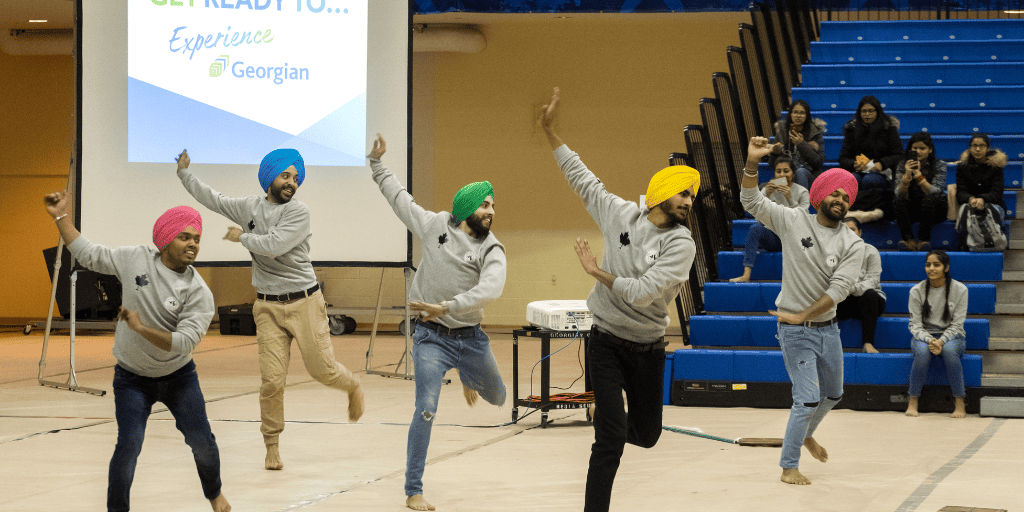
461	271
647	258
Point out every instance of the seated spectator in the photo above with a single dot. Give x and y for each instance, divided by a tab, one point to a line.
866	301
802	139
759	237
938	308
979	176
871	150
920	193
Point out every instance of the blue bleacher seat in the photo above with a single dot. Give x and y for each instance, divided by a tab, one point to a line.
921	30
702	364
909	75
947	147
760	331
1013	173
883	235
843	52
760	297
896	266
948	124
997	97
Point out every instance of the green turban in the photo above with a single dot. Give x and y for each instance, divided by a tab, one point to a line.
469	198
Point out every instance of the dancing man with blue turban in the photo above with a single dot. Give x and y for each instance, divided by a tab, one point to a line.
276	231
647	258
461	271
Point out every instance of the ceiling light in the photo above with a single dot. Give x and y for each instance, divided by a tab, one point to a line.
37	21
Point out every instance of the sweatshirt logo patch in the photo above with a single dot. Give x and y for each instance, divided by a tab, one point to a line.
252	225
469	257
651	257
172	304
806	242
442	239
831	261
141	281
624	239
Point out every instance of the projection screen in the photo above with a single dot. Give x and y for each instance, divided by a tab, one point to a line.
232	80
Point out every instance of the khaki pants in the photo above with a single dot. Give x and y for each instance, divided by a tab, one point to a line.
277	323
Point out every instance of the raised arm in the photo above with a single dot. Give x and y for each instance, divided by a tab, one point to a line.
98	258
769	213
59	206
547	121
232	208
415	218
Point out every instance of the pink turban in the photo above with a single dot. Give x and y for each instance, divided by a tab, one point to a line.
173	222
830	181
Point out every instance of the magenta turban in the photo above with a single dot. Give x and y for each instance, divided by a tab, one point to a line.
830	181
173	222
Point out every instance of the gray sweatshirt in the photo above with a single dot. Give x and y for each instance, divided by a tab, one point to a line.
933	327
816	260
466	272
870	273
276	235
650	264
799	197
164	299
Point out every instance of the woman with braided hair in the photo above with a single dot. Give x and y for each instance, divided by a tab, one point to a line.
938	308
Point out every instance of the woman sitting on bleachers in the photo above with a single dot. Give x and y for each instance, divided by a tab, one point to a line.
938	308
871	150
979	176
866	301
802	139
782	190
920	193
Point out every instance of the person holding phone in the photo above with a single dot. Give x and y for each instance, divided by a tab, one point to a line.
782	190
920	193
800	138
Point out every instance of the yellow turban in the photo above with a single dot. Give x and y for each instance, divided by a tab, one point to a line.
671	181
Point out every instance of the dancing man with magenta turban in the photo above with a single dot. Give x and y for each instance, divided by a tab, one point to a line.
647	258
289	304
462	270
821	261
166	309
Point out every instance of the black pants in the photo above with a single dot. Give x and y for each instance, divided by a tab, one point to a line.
866	308
617	366
926	210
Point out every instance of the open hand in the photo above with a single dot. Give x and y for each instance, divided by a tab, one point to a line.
428	312
379	147
587	258
183	160
547	117
788	318
234	234
130	317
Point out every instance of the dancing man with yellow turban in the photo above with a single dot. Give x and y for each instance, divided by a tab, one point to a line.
647	258
289	303
821	261
166	309
461	271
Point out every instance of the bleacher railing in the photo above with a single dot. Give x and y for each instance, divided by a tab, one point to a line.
690	300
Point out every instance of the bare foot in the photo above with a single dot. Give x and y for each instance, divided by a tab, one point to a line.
793	476
355	404
471	396
274	458
912	406
817	450
870	348
220	504
960	411
418	502
740	279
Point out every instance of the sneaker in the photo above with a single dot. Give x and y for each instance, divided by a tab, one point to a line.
924	246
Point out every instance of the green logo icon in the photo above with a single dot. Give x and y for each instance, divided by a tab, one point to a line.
219	66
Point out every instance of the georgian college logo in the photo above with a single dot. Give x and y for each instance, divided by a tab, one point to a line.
219	65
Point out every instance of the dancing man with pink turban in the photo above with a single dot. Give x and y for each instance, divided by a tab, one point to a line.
647	258
289	304
821	261
166	309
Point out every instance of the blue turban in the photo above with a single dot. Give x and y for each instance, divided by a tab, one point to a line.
276	162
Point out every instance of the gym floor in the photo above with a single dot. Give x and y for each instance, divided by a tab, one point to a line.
56	445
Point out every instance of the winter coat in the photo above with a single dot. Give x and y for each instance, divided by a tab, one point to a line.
803	154
886	146
984	180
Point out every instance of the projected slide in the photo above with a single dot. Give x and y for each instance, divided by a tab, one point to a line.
232	80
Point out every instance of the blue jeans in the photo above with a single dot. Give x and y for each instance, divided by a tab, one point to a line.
814	362
759	239
434	354
951	352
804	177
134	396
866	180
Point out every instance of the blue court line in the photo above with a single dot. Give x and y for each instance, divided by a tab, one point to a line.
929	485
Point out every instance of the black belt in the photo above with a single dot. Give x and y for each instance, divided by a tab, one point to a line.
631	346
289	296
448	331
815	325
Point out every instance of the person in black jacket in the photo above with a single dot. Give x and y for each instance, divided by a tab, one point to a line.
801	138
871	150
920	193
979	175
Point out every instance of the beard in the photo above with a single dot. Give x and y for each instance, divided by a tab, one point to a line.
278	194
476	223
832	216
673	214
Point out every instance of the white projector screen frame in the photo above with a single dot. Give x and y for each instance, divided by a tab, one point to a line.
352	223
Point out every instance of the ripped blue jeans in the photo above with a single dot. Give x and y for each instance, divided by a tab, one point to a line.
814	362
434	354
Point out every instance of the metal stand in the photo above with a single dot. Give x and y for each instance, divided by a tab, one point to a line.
406	358
545	374
72	383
